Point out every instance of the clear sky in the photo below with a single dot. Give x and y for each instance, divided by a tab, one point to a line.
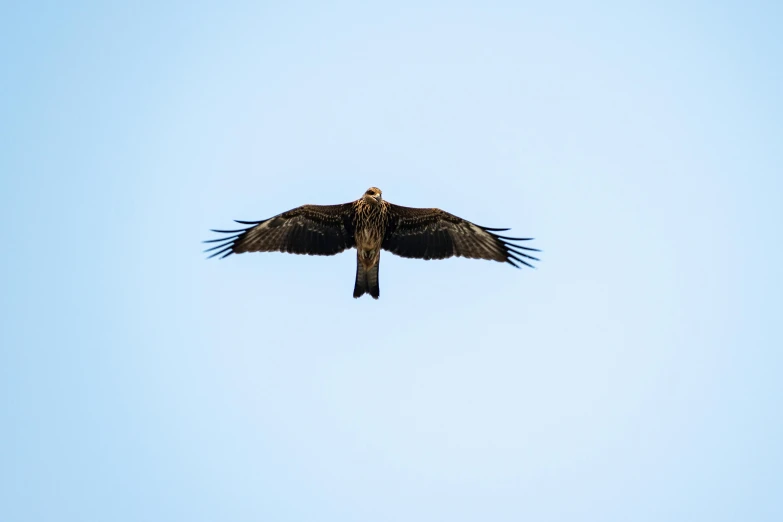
634	375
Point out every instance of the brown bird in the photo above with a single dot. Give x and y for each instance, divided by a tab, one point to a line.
371	224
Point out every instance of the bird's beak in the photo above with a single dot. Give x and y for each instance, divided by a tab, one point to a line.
377	198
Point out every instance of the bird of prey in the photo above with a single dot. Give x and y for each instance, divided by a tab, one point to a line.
371	224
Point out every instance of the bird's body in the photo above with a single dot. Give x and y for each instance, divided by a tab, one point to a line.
371	217
371	224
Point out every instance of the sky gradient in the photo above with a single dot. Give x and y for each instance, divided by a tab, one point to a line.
634	375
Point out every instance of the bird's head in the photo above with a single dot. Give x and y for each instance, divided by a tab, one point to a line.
373	195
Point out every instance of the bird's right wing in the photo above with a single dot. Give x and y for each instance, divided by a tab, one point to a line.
321	230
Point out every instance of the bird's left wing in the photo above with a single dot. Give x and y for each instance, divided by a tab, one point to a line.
431	233
321	230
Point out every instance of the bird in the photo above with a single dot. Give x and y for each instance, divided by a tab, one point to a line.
371	224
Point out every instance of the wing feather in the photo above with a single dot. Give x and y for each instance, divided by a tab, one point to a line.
431	233
321	230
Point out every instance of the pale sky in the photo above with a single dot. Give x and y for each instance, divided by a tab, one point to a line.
634	375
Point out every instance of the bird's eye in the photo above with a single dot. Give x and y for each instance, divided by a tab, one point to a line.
369	192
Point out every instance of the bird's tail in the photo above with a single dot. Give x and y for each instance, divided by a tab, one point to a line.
366	281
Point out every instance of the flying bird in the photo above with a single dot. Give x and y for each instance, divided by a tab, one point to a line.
371	224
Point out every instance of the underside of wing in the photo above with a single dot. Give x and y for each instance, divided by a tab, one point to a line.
431	233
321	230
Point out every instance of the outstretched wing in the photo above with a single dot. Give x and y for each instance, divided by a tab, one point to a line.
431	233
321	230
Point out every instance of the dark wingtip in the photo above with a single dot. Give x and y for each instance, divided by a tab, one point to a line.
223	245
516	238
227	249
227	231
515	258
517	252
231	238
227	243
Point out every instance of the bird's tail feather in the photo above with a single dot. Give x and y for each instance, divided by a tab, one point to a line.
366	281
360	287
372	281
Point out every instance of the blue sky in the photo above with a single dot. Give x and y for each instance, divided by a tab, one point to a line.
635	375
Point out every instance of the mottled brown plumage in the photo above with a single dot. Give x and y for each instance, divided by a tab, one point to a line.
371	224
